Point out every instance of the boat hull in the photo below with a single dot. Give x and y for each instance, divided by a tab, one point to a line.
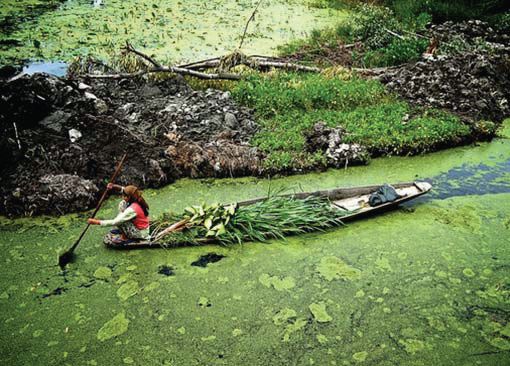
354	200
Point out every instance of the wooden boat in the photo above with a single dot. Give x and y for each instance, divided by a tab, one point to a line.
354	200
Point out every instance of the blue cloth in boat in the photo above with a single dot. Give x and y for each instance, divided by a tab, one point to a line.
385	193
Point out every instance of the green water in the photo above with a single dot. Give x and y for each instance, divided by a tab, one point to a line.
424	285
171	30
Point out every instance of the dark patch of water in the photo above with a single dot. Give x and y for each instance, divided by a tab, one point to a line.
56	292
166	270
204	260
472	180
469	180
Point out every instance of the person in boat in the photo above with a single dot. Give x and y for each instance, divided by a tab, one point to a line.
132	222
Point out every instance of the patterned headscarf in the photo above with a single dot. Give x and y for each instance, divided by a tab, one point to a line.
135	195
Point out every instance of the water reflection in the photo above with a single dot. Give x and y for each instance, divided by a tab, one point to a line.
57	68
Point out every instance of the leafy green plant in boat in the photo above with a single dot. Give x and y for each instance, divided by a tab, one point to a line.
271	218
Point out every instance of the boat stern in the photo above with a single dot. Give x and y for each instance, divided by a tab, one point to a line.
423	186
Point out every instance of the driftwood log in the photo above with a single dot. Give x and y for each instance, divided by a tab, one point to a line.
219	65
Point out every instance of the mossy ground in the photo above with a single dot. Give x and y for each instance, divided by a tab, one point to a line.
419	286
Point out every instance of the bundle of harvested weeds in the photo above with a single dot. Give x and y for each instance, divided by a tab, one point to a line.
272	218
231	60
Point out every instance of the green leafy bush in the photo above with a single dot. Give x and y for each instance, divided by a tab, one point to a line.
371	24
399	51
314	44
502	21
456	10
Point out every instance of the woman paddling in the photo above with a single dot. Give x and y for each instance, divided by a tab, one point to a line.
133	218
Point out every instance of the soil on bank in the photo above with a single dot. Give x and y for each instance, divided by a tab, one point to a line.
60	138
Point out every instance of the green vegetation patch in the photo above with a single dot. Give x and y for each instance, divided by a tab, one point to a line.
288	105
113	328
456	10
319	312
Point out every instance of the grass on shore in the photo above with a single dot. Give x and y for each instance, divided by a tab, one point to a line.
288	105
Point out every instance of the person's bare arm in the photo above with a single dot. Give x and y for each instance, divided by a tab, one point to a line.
115	188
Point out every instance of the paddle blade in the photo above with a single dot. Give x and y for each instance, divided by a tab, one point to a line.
65	258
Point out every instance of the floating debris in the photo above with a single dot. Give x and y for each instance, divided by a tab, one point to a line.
166	270
204	260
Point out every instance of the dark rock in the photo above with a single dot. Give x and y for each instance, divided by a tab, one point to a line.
8	71
55	121
230	121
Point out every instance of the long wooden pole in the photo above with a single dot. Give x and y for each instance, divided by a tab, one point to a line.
68	255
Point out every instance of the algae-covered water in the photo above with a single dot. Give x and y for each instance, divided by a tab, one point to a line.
428	284
172	30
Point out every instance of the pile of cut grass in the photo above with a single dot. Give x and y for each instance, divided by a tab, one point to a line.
273	218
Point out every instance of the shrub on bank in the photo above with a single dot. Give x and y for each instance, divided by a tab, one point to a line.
288	105
386	40
388	34
456	10
399	51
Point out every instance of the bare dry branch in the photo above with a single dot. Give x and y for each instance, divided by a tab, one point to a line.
255	62
206	64
192	64
252	17
286	65
175	70
130	48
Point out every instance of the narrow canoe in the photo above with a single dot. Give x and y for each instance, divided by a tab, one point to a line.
354	200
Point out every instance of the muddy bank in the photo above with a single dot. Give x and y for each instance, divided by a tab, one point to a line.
472	79
61	138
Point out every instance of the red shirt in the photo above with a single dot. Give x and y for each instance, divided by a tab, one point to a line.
141	220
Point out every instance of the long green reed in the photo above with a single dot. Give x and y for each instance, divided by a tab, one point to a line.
273	218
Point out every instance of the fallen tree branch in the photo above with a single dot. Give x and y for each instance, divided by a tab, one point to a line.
394	34
255	62
285	65
130	48
192	64
171	69
191	69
